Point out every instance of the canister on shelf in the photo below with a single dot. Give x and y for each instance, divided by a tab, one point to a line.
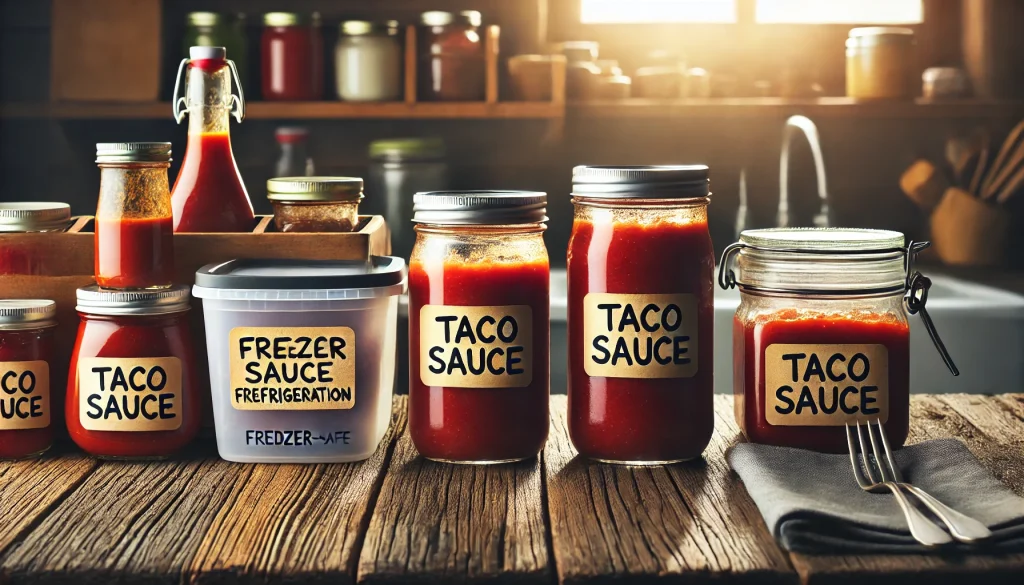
880	62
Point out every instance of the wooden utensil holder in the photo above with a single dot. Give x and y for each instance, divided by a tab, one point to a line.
968	231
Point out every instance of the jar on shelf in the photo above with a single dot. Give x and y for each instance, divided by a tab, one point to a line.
292	65
294	160
450	57
134	222
212	29
29	217
641	314
315	204
880	63
27	357
368	61
132	390
479	326
821	337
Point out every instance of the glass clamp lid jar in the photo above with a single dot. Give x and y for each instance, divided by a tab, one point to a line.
821	337
479	308
134	232
132	391
26	360
368	61
640	314
315	204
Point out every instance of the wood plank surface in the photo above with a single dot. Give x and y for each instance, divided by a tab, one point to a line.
996	436
443	523
686	523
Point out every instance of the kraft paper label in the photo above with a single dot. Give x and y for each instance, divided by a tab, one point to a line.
293	368
822	385
129	394
640	335
24	395
476	347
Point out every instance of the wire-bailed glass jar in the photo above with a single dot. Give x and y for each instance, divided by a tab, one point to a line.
479	285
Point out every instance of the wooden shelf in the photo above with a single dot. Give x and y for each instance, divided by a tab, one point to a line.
781	107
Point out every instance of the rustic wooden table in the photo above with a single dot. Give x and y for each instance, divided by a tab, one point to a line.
398	518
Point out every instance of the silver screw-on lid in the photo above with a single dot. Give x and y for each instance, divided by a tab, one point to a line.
27	314
641	182
311	189
122	152
34	216
97	301
479	207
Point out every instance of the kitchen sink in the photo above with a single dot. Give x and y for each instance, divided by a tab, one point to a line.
983	328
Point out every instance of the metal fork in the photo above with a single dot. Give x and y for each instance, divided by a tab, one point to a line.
921	527
962	527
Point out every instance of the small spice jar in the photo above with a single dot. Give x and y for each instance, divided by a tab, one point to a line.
478	326
24	257
450	57
315	204
132	390
821	337
26	358
880	63
134	222
368	61
641	327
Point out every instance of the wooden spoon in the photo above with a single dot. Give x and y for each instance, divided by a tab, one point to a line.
1007	151
1014	187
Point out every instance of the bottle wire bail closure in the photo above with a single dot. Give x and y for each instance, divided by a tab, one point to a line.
915	287
180	105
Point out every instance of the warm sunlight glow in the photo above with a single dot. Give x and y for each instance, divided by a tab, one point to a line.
654	11
840	11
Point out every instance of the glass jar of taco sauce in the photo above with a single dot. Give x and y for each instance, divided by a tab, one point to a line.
479	284
641	274
26	357
821	337
19	255
132	390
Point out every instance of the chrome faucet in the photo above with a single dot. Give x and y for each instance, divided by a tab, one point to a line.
810	131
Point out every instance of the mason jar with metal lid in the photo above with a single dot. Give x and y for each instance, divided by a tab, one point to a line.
400	168
451	64
478	326
27	357
134	220
368	61
821	337
880	63
315	204
34	216
640	314
132	388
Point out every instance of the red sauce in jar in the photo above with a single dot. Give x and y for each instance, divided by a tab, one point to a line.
640	419
20	396
135	253
209	195
124	337
292	67
793	326
480	424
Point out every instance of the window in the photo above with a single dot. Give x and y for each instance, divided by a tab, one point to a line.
657	11
840	11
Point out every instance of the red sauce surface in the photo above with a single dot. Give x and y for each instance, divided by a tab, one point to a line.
126	337
209	195
134	253
791	326
292	64
634	419
25	346
480	424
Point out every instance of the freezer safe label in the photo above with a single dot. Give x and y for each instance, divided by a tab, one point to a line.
129	394
821	385
24	395
292	368
640	335
476	346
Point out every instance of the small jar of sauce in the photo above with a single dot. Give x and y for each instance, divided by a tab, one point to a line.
641	274
292	59
132	390
134	222
479	285
821	336
315	204
26	357
18	256
451	57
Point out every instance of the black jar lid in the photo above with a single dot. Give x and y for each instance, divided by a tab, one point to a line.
299	276
641	181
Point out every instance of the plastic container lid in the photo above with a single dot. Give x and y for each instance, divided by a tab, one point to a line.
34	216
301	280
639	182
17	314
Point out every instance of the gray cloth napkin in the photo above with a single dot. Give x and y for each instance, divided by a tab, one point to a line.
811	501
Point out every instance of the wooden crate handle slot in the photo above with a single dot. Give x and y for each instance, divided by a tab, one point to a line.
491	59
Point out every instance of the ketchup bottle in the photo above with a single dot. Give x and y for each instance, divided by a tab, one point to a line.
209	195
